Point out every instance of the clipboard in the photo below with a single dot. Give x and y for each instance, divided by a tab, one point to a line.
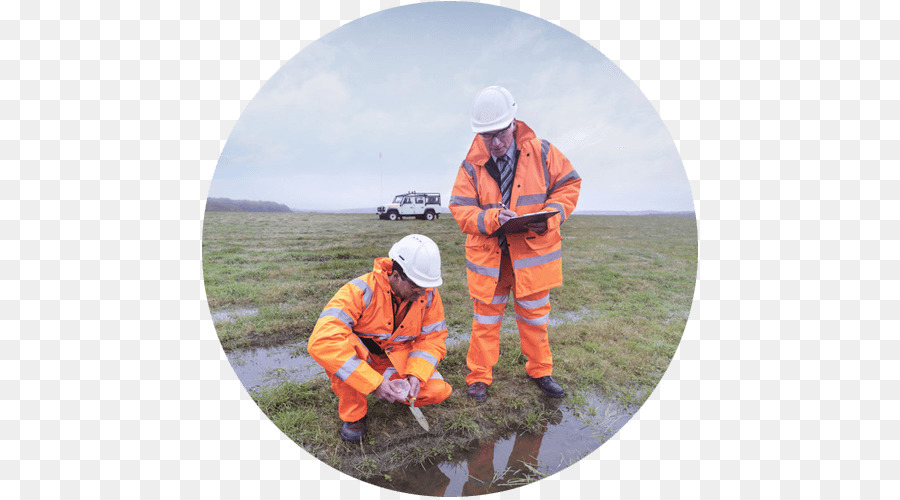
517	224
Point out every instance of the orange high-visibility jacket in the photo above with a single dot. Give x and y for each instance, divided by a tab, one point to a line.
362	308
544	180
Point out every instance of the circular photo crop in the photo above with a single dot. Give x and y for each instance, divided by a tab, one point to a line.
450	249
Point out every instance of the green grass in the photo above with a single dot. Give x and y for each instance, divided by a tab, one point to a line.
290	265
628	287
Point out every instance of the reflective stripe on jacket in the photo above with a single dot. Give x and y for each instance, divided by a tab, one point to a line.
362	308
544	180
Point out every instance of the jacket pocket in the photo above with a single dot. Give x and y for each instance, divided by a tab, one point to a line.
479	246
536	241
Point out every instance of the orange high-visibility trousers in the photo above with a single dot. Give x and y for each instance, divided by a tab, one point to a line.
352	404
532	318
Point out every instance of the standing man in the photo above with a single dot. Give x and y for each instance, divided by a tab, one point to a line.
508	172
385	326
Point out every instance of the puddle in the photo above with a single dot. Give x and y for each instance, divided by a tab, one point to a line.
232	314
515	459
557	319
266	367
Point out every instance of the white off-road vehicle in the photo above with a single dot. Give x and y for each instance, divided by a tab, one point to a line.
412	204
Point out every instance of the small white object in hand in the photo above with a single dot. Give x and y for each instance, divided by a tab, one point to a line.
401	387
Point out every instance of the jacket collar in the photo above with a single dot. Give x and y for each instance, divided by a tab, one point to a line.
382	270
384	264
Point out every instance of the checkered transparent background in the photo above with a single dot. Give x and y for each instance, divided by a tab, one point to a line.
113	384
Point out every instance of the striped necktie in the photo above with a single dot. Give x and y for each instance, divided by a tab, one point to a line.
506	178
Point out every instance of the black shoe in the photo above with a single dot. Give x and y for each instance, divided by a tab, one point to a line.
549	387
354	431
478	391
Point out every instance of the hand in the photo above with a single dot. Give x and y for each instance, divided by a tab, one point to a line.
389	392
539	227
505	215
414	386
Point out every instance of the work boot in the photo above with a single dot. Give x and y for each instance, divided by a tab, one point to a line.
549	387
353	432
478	391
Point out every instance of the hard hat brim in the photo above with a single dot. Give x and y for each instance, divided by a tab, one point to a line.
428	283
491	127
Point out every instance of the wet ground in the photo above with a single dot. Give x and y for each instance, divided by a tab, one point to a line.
265	367
232	314
513	460
258	368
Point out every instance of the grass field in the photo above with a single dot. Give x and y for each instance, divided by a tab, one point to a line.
618	318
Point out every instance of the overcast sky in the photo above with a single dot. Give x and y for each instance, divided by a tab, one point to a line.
381	106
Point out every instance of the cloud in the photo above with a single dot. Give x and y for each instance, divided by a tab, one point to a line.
385	104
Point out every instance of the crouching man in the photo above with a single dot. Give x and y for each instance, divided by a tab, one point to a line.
387	325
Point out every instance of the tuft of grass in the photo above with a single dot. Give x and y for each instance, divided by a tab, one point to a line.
366	467
463	422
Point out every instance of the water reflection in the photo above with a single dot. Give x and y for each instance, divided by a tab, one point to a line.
516	459
489	468
521	464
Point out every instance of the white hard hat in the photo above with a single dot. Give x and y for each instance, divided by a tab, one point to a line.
494	109
420	259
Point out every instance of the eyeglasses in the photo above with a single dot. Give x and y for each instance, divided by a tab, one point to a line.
489	136
411	283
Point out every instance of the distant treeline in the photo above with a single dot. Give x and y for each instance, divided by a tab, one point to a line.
229	205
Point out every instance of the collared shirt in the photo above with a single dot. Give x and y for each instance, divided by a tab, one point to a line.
510	153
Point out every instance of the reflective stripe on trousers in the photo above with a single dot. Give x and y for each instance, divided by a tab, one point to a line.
532	319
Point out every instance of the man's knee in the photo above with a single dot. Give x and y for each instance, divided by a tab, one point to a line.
434	391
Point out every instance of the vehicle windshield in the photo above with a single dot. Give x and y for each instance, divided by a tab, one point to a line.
398	199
